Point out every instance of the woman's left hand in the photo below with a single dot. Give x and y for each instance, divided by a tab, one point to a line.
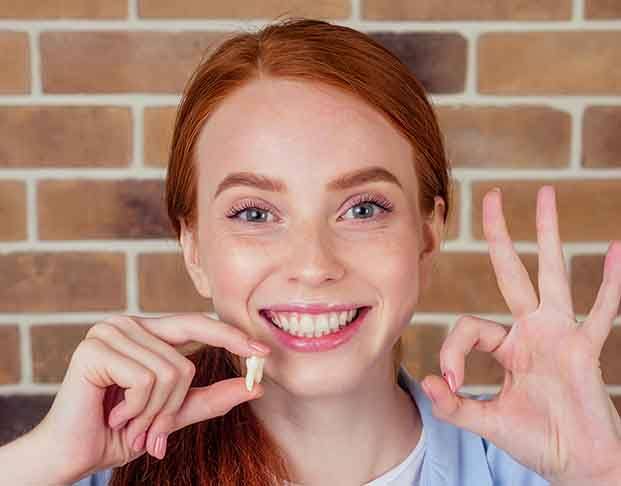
553	413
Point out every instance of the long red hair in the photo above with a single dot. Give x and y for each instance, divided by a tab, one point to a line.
235	449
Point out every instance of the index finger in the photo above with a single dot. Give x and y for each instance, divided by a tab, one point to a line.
193	330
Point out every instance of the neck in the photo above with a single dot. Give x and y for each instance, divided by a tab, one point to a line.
347	438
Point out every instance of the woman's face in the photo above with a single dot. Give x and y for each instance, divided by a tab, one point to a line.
305	238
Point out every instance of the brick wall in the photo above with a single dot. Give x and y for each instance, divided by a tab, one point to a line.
526	95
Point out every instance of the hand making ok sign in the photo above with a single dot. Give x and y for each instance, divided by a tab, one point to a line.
553	413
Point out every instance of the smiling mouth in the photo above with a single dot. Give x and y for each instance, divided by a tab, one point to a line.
312	325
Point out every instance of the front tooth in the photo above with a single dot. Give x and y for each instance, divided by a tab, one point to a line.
294	325
334	321
322	325
306	325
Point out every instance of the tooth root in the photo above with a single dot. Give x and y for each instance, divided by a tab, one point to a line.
251	370
254	371
259	374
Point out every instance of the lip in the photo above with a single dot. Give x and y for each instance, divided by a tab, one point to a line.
312	308
317	344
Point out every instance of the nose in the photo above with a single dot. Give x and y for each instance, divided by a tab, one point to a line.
313	258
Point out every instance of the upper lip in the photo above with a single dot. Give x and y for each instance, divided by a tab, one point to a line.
316	308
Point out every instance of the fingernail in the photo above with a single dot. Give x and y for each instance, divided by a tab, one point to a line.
139	442
450	378
160	446
256	346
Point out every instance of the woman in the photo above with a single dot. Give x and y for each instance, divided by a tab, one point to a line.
281	140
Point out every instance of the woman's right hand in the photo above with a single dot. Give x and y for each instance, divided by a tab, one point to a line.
135	357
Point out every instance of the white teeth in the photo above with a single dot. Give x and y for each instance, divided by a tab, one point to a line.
254	371
312	325
322	326
334	321
306	325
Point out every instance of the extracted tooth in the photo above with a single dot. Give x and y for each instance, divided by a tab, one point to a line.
254	371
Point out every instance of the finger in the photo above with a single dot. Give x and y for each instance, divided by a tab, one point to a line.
470	333
165	378
215	400
553	285
162	423
606	307
113	368
513	280
478	416
182	329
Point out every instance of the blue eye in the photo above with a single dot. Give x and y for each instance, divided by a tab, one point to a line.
367	206
256	212
253	210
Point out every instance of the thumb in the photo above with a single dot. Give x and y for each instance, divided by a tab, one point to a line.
215	400
478	416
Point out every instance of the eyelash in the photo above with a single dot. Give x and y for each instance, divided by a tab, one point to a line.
376	199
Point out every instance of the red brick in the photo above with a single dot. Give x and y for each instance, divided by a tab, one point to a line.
159	123
12	210
65	136
62	282
165	285
507	137
244	9
601	144
10	361
559	62
586	279
602	9
609	359
52	347
471	10
15	62
466	283
438	59
120	62
585	208
59	9
617	402
91	209
421	349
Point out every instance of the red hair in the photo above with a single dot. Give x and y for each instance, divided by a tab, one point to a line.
235	449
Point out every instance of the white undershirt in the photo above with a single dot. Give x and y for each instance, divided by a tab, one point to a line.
406	473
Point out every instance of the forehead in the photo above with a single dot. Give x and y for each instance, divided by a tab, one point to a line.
300	132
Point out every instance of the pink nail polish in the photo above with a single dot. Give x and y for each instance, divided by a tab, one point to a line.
258	347
139	442
451	380
160	447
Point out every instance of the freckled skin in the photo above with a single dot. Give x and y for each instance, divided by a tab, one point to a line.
313	246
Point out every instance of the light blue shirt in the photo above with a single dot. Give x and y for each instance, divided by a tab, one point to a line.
453	456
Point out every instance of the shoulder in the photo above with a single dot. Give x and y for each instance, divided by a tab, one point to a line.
100	478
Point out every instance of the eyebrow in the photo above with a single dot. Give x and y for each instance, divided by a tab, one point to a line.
342	182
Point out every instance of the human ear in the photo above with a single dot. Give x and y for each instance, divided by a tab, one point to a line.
432	231
191	256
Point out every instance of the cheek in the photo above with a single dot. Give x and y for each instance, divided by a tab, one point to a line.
235	268
397	275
